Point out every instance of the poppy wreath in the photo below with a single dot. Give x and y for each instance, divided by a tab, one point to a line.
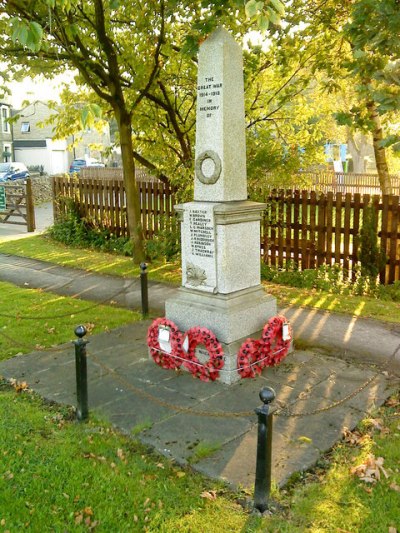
249	354
163	359
254	355
274	348
210	370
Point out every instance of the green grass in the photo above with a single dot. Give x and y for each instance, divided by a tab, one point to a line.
33	319
45	249
41	247
360	306
59	475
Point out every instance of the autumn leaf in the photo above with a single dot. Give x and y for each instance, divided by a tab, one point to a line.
306	440
120	454
370	470
395	487
209	494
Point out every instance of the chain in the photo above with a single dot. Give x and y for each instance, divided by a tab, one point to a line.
125	383
51	349
279	411
284	411
97	304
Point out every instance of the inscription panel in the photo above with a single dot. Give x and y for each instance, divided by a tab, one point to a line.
199	247
202	238
209	91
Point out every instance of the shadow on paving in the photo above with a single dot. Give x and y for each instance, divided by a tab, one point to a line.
174	413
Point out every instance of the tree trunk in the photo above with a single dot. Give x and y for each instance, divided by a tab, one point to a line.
380	154
358	149
132	197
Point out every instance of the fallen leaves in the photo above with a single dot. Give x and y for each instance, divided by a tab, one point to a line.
209	494
19	386
85	516
355	438
370	470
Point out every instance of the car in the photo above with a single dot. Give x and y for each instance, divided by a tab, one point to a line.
13	171
77	164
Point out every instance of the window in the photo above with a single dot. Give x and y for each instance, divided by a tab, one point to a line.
25	127
6	152
4	117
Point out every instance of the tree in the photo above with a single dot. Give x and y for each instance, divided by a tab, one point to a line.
102	41
339	37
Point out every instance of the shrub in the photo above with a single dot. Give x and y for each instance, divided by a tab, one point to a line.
372	258
72	229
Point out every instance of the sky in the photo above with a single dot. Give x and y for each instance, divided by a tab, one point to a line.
37	89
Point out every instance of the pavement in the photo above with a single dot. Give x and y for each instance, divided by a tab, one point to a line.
341	368
43	219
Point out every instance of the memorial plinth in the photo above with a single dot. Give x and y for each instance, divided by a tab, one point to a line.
220	231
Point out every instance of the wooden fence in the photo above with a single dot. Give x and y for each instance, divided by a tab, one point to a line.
312	229
16	204
343	182
308	228
103	202
113	173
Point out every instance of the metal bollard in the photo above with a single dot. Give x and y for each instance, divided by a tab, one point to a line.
262	487
144	289
82	410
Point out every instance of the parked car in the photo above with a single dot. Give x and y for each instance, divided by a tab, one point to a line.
77	164
13	171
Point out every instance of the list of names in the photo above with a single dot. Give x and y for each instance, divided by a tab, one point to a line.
201	233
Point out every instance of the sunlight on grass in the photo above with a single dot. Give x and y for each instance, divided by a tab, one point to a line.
34	318
359	309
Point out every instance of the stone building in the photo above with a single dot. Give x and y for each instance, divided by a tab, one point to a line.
34	142
6	139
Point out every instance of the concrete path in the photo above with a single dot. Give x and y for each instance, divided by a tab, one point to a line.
316	387
43	219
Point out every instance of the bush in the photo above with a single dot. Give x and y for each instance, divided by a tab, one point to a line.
166	244
74	230
332	279
372	258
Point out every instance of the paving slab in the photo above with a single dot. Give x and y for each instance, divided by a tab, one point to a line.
174	413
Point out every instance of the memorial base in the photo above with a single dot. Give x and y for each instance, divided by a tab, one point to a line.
231	317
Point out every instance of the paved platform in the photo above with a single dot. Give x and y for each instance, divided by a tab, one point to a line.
177	414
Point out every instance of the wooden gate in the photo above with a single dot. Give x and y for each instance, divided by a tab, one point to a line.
16	204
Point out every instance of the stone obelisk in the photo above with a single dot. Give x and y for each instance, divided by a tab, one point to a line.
220	230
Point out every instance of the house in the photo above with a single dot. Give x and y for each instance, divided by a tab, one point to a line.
34	142
6	139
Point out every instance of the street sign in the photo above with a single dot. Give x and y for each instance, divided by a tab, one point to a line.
3	203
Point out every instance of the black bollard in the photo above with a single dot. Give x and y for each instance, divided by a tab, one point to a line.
144	289
262	487
82	410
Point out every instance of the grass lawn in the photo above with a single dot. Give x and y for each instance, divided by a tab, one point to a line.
41	247
34	319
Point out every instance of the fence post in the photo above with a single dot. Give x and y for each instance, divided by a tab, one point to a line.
30	209
144	289
82	411
262	488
